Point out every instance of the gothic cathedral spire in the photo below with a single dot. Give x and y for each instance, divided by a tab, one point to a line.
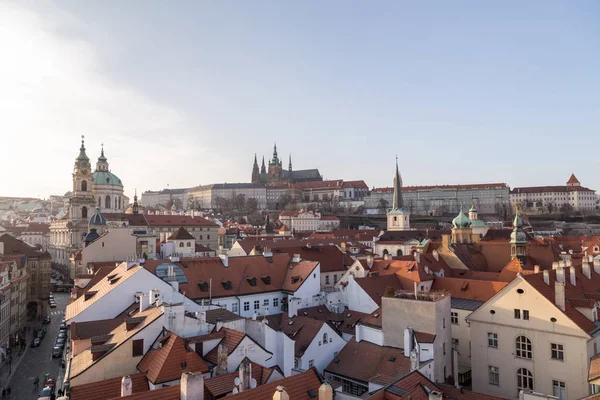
398	201
263	169
255	173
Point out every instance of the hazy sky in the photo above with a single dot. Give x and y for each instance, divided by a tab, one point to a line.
184	93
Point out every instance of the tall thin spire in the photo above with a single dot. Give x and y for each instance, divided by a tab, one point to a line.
275	159
102	149
290	167
135	203
398	200
263	169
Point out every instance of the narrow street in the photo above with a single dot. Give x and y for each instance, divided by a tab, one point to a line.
38	361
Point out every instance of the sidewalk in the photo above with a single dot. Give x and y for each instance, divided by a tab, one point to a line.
5	376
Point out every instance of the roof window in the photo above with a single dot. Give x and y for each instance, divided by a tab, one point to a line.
88	295
227	285
392	358
266	279
252	281
203	285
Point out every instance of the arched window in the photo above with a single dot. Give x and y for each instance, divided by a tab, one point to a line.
84	212
119	202
107	201
180	244
325	338
524	379
189	244
399	252
385	252
523	347
84	186
99	201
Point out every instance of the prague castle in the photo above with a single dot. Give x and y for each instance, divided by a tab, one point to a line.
277	174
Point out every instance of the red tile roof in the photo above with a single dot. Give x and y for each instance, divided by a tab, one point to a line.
375	286
222	385
344	321
378	364
108	389
36	227
170	359
331	258
85	330
573	179
297	387
231	340
181	234
468	289
336	184
373	319
178	220
452	393
594	368
355	184
550	189
301	329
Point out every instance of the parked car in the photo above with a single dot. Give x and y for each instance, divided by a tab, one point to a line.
52	305
41	333
46	320
60	342
57	352
35	342
62	335
46	393
63	327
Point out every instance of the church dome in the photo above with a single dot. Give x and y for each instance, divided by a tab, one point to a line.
91	236
518	235
97	219
106	178
461	221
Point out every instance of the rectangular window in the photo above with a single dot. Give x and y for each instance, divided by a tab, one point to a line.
311	363
444	323
454	318
327	279
494	375
33	265
455	344
266	303
517	313
559	389
256	304
234	308
246	306
276	302
334	278
137	348
526	314
557	351
493	340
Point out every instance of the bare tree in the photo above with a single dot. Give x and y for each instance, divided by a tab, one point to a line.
382	206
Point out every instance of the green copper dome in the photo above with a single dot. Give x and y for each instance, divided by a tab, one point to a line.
477	222
461	221
106	178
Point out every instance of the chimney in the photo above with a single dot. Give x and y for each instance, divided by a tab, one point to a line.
560	274
554	265
370	260
245	375
386	256
144	302
446	241
280	394
562	264
536	269
296	258
586	270
572	277
191	386
343	247
547	277
325	391
224	260
435	395
597	266
559	292
126	386
408	341
436	255
222	356
417	257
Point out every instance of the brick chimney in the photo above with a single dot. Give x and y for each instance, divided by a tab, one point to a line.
536	269
280	394
325	391
192	386
126	386
559	293
222	356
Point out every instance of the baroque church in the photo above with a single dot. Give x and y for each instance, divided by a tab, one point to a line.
277	174
94	192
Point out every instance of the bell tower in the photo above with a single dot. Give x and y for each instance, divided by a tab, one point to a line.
82	200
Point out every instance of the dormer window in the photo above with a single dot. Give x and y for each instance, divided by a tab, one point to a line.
203	285
227	285
252	281
266	279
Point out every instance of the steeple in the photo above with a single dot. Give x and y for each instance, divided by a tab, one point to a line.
102	163
518	238
263	169
255	174
82	160
398	200
290	167
275	159
135	203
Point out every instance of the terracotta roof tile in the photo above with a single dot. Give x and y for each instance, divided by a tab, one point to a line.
467	288
373	319
301	329
223	385
331	258
231	340
452	393
344	321
108	389
594	368
102	287
170	359
297	387
181	234
385	364
550	189
375	286
220	315
86	330
36	227
178	220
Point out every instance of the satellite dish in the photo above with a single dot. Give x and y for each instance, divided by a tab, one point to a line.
236	381
252	383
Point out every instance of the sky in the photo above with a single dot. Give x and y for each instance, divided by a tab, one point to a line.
185	93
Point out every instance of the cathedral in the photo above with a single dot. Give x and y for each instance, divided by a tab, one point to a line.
100	190
277	174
